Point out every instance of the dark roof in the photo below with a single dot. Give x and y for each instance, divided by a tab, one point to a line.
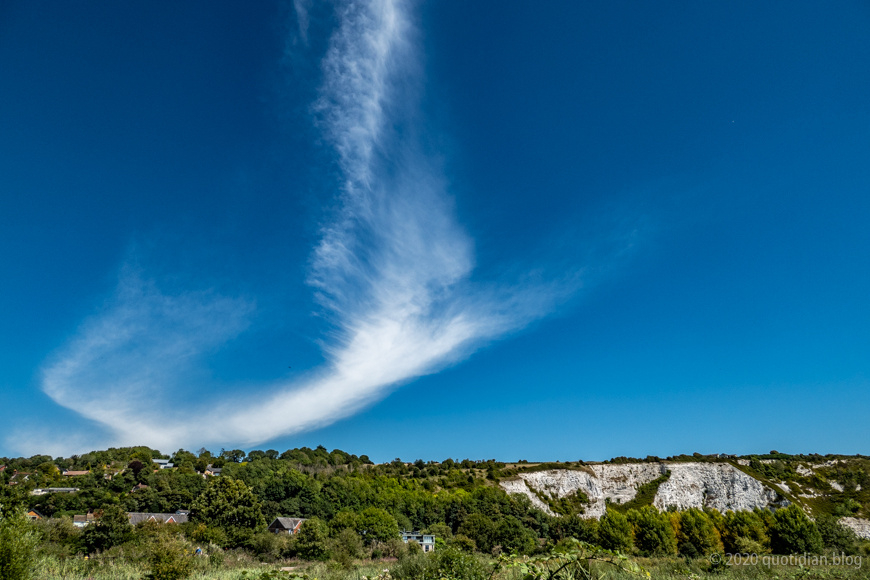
139	517
285	523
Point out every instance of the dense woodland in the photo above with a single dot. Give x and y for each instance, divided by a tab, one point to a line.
355	509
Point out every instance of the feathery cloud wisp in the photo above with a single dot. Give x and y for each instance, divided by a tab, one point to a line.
392	271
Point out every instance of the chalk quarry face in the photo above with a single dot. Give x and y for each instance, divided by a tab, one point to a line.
715	485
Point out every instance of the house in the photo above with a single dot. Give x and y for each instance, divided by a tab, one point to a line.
162	463
83	520
176	518
426	541
19	477
34	515
2	468
138	487
286	525
210	470
75	473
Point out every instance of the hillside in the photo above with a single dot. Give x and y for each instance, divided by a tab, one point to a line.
835	486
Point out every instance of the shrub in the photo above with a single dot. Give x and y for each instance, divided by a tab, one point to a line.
653	533
698	536
614	532
169	561
112	528
311	542
836	536
794	533
744	529
17	546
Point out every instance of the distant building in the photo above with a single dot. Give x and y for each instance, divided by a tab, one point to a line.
162	463
34	515
426	541
75	473
286	525
138	487
210	470
176	518
81	521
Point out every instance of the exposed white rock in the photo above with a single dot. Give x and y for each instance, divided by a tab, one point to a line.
861	527
743	462
804	471
716	485
835	485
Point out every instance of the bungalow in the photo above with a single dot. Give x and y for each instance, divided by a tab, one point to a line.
138	487
286	525
177	518
426	541
210	470
162	463
75	473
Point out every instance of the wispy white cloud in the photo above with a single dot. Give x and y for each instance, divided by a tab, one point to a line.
392	271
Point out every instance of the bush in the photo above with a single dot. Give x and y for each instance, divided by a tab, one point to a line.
227	503
698	536
311	542
112	528
794	533
169	561
836	536
17	546
653	533
481	529
614	532
744	529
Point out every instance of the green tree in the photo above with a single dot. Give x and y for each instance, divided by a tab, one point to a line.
377	525
112	528
794	533
227	503
312	540
513	536
168	561
744	532
614	532
698	536
481	530
837	536
653	533
18	543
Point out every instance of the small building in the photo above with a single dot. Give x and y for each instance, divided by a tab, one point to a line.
138	487
286	525
81	521
139	517
426	541
211	470
34	515
75	473
162	463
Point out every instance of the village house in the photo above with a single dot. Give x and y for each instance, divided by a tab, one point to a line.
162	463
286	525
75	473
178	517
81	521
34	515
45	490
138	487
426	541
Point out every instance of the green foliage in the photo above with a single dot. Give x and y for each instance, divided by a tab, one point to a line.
512	536
18	543
572	504
169	561
653	533
615	532
794	533
836	536
744	529
573	561
698	536
312	540
377	525
481	530
227	503
111	529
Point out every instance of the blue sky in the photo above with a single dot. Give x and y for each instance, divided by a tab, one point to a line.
491	230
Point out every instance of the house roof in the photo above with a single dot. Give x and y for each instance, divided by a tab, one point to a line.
286	523
139	517
75	473
138	486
